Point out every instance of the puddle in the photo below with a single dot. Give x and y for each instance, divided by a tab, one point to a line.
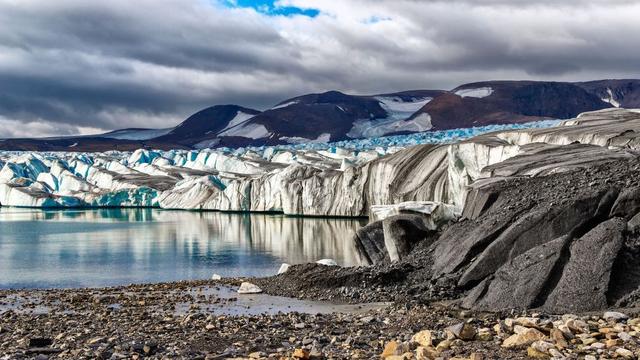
216	300
229	302
23	305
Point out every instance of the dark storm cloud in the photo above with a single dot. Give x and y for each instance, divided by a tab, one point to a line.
72	65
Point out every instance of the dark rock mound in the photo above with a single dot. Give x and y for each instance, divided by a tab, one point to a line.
562	242
520	282
529	230
369	242
586	276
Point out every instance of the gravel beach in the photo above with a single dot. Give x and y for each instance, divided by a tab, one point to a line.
207	320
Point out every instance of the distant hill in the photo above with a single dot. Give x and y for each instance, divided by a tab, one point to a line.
619	93
500	102
206	125
334	116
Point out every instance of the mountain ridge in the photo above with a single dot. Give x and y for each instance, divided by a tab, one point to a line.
334	116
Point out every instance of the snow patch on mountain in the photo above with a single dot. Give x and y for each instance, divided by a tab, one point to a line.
476	93
399	109
251	131
611	100
284	105
237	120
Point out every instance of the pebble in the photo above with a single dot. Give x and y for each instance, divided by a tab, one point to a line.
524	338
627	354
301	354
389	349
625	337
423	338
463	331
484	334
613	315
40	342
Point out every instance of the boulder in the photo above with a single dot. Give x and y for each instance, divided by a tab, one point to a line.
524	338
369	243
249	288
423	338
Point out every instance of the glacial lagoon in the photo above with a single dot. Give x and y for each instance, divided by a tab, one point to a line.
108	247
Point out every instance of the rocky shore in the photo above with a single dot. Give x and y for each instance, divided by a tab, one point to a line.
178	320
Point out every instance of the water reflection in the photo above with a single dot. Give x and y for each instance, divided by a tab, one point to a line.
70	248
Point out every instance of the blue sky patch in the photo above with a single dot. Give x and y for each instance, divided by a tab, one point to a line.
268	7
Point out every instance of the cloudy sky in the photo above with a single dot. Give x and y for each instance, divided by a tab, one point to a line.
78	66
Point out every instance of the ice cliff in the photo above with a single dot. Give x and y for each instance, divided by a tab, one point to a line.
339	179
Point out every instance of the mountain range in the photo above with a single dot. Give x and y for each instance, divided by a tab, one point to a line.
335	116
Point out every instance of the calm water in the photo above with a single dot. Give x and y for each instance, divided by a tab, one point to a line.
78	248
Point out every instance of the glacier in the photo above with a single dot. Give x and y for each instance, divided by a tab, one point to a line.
399	111
346	178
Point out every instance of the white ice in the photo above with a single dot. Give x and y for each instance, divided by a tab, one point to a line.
285	105
611	99
251	131
239	119
400	109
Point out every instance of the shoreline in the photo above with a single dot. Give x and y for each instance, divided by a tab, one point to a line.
179	320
